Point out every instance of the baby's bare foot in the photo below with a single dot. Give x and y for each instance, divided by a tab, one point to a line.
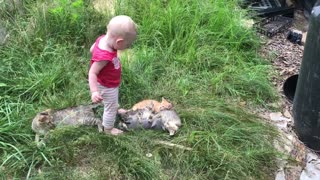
113	131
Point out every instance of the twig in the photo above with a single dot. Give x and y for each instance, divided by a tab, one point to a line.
173	145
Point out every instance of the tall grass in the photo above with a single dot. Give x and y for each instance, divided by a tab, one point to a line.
202	37
195	53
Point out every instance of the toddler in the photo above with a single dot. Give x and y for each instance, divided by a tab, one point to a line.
105	67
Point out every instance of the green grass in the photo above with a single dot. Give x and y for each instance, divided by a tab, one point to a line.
196	54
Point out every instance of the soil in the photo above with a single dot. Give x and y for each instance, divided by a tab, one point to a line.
286	58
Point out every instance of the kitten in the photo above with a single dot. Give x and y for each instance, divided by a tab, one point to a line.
167	120
141	118
74	116
42	124
157	106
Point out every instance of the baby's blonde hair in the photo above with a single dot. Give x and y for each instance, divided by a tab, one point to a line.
122	26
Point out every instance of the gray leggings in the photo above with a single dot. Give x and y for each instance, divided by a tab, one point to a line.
110	101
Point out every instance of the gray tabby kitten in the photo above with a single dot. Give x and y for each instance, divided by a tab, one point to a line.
167	120
134	119
74	116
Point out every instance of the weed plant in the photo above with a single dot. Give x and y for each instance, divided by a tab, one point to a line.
197	54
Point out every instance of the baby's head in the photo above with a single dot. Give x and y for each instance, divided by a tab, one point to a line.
122	32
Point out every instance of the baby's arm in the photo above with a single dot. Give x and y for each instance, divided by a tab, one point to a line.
93	73
92	47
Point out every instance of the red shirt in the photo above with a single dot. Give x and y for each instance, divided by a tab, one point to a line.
110	74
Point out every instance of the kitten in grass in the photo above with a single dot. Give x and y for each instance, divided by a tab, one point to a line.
134	119
50	119
167	120
157	106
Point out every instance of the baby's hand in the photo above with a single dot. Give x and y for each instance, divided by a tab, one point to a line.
96	97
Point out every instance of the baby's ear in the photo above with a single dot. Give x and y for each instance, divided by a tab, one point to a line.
119	41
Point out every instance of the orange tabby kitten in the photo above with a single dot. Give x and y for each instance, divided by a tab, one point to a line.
155	105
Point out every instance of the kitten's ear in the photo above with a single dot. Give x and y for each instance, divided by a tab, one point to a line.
172	132
154	123
157	116
164	100
47	111
172	128
43	118
44	113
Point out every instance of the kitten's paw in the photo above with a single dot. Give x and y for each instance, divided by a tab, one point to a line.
123	126
100	128
41	144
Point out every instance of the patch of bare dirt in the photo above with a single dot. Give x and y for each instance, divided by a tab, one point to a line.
286	57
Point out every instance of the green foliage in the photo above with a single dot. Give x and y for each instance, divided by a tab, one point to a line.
194	53
9	9
64	21
201	37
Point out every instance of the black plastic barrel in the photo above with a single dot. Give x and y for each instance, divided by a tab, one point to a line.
289	87
306	104
307	4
